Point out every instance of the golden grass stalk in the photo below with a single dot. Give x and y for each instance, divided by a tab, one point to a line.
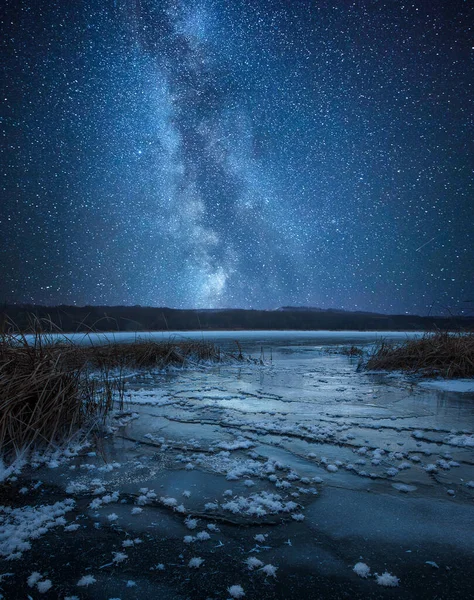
440	354
50	389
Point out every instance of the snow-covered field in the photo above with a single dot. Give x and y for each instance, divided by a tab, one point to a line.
300	477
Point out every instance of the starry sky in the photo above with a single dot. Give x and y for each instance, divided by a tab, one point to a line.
239	153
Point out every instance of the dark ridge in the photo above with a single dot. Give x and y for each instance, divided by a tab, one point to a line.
143	318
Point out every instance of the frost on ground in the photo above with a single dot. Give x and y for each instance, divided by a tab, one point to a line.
387	580
19	525
361	569
258	505
44	586
253	563
269	570
461	440
195	562
236	591
86	580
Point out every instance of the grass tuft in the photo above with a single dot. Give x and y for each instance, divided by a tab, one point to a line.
440	354
51	389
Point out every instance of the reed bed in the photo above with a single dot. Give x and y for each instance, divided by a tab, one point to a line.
149	354
440	354
51	389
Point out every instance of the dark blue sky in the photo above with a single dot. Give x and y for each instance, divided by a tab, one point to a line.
239	153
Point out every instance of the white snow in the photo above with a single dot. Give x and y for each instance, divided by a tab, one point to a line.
236	591
269	570
387	580
236	445
119	557
44	586
253	563
167	501
361	569
403	487
298	517
461	440
195	562
86	580
191	523
33	578
19	525
258	505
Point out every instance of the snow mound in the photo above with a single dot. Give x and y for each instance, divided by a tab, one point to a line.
259	505
86	580
387	580
195	562
461	440
253	563
19	525
236	591
269	570
361	569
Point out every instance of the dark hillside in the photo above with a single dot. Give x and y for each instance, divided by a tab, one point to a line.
143	318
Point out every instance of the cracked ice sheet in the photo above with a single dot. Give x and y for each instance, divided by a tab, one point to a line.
348	403
307	420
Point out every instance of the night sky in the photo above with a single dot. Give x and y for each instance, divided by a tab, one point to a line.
239	153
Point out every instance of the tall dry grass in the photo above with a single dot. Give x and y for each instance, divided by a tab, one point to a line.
50	388
440	354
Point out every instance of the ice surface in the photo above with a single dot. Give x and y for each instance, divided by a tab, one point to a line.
306	440
450	385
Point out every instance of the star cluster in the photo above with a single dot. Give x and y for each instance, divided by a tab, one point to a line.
244	153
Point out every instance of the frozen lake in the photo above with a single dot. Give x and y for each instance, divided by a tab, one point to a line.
303	463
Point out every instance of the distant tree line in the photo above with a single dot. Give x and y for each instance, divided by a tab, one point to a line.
145	318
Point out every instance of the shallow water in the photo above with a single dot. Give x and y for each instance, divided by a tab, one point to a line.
271	428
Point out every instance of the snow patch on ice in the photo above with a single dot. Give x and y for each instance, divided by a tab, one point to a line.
236	591
195	562
361	569
19	525
387	580
86	580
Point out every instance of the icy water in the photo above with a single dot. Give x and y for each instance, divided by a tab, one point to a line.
302	463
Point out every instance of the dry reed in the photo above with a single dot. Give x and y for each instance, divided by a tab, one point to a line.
440	354
50	388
